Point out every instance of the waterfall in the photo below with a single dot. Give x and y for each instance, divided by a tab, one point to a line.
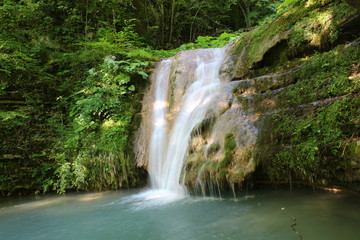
158	143
171	126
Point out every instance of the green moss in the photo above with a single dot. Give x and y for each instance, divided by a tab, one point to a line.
310	146
229	146
172	88
230	142
203	127
356	149
236	177
194	162
305	25
221	174
324	76
245	102
319	27
352	152
213	148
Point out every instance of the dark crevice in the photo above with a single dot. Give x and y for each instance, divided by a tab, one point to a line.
282	52
350	30
272	55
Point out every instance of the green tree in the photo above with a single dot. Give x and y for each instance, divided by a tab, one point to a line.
254	11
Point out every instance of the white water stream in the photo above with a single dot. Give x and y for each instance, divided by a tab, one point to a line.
169	139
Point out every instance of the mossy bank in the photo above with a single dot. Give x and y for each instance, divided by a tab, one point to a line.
296	79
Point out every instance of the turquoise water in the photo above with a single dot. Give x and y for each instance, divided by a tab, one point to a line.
264	214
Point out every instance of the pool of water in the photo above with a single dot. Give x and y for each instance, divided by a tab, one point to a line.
265	214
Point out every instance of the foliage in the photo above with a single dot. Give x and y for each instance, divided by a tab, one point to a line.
286	5
254	12
311	146
53	109
289	5
210	42
168	24
325	75
229	146
95	154
310	139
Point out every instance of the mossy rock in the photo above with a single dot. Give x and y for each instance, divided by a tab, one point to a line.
203	127
263	103
265	83
352	153
236	176
304	117
229	146
193	163
213	148
305	143
304	26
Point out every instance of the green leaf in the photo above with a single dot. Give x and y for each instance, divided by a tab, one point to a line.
132	88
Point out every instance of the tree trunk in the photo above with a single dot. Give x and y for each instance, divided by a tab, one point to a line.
245	9
86	18
158	21
162	25
172	19
192	25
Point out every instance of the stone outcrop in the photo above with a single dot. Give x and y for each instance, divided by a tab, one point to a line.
288	104
292	106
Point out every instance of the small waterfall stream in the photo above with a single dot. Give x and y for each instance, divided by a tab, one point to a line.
171	129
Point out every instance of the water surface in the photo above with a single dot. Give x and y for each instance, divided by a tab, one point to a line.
264	214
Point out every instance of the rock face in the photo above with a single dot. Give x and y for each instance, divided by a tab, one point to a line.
288	107
292	107
222	146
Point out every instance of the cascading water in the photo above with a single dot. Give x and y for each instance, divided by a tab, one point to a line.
171	130
158	144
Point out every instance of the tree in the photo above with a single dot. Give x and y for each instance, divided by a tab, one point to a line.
254	11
